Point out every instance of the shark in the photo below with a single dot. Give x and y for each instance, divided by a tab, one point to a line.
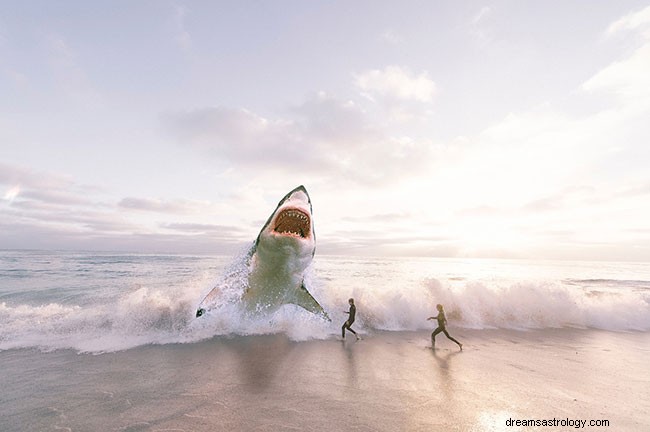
278	259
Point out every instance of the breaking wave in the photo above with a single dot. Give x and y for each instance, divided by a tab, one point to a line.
161	314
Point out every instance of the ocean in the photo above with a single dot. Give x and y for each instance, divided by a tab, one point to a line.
104	302
88	337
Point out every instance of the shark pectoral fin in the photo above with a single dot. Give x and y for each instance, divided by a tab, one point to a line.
305	300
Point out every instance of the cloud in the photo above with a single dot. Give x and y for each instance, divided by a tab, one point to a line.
79	228
577	196
51	211
635	190
396	83
576	174
28	178
368	243
628	78
161	206
32	235
632	21
334	122
324	137
238	135
317	126
383	217
45	210
57	197
196	228
36	190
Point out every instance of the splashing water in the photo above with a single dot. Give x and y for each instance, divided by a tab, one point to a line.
107	302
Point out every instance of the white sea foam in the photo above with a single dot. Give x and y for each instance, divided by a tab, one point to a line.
389	296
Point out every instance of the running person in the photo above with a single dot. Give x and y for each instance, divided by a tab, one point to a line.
350	321
442	323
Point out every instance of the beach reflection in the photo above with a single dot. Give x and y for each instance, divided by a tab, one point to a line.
446	372
260	359
351	364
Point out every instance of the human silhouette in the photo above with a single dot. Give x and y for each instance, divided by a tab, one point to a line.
348	324
442	327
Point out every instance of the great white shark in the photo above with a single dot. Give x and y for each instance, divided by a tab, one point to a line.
278	259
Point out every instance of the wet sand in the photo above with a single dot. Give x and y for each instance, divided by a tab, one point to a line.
389	381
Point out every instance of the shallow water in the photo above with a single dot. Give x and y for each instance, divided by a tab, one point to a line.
102	302
389	381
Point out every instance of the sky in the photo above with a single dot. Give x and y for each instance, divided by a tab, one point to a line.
488	129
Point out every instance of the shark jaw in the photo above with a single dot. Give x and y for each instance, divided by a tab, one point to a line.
279	258
292	222
290	229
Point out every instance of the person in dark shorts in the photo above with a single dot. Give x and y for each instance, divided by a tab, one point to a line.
350	321
442	327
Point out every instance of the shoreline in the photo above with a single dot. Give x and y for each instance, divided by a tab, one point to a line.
387	381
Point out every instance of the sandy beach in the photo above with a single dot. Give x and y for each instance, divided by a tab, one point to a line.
389	381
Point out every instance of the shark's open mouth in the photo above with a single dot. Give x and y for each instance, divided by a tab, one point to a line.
293	222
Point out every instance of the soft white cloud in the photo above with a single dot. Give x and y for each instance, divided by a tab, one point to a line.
324	137
178	206
202	228
11	174
632	21
628	78
547	181
324	118
395	82
237	135
46	210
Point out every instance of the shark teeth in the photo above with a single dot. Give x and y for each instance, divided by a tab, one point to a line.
293	222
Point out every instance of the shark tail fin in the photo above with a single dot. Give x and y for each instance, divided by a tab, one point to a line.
306	301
